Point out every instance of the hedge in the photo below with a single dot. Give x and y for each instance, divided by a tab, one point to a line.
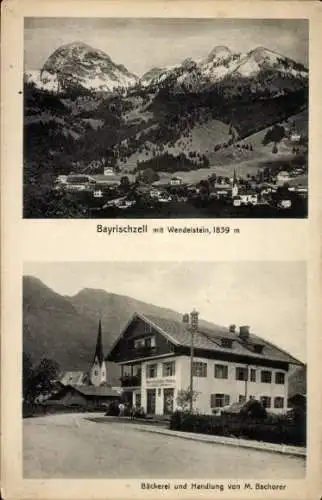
271	430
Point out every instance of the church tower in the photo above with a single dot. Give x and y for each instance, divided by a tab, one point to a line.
98	368
234	191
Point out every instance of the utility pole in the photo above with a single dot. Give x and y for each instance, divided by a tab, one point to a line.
246	381
193	328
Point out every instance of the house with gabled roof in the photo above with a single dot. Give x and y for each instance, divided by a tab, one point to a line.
228	365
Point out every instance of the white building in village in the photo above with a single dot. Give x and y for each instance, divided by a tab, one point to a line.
228	365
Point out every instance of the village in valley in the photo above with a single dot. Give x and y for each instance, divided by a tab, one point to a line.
279	187
217	133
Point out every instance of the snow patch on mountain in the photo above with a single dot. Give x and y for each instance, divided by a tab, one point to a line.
79	65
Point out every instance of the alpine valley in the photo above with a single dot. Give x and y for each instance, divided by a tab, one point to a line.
82	110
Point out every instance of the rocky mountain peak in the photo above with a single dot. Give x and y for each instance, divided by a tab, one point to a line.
220	51
83	66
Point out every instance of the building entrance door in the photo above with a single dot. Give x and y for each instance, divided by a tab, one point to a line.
150	401
127	397
168	395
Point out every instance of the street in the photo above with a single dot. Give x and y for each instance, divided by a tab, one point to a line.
73	446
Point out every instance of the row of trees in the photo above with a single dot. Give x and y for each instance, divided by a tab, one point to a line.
171	163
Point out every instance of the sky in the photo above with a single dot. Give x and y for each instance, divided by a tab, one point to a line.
141	44
268	296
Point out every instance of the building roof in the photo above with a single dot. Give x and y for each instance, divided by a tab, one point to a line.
112	178
72	378
209	337
88	391
91	390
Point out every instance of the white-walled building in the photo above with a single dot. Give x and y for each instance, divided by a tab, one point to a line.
228	365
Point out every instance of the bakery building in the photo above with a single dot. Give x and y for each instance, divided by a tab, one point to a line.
159	355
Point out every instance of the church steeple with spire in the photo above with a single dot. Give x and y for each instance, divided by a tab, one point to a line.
234	192
98	368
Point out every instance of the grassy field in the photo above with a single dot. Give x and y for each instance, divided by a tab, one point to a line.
204	137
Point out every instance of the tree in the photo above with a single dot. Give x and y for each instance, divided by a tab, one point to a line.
125	182
42	379
275	134
27	373
148	176
41	201
184	398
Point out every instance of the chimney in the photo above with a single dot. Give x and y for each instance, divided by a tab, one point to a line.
232	328
185	319
244	332
194	319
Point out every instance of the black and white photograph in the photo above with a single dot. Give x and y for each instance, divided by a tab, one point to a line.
154	370
165	118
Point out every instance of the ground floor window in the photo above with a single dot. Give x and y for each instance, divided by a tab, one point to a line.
266	401
279	402
241	398
219	400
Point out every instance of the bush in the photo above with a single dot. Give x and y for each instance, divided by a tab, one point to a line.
273	429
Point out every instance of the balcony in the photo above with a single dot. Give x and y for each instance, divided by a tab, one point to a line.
130	381
142	352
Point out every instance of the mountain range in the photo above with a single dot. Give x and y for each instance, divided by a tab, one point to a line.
82	108
79	65
64	328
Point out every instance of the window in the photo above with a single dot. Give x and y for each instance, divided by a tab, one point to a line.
241	373
219	400
151	371
251	397
142	342
226	343
147	328
252	375
266	401
266	377
95	373
150	342
199	369
258	348
279	402
168	369
279	378
136	370
241	398
221	371
138	343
